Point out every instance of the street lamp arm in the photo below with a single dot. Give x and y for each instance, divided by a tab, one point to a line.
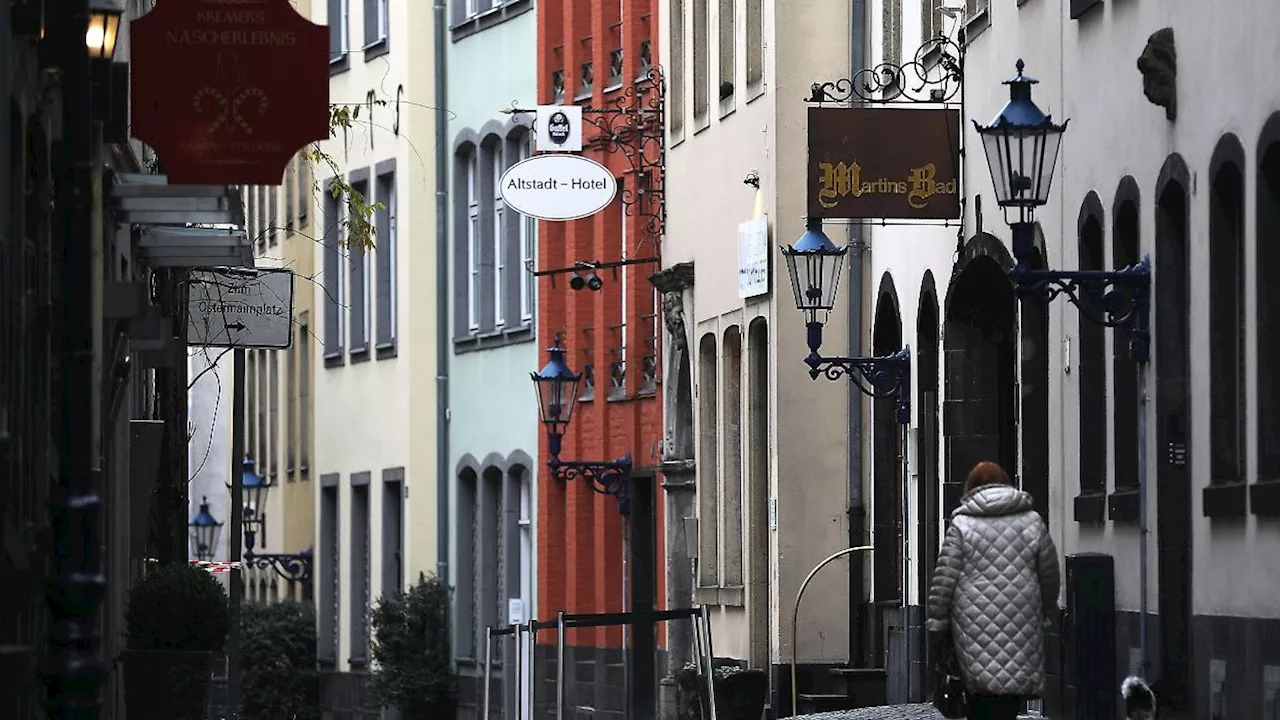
291	567
1119	299
607	478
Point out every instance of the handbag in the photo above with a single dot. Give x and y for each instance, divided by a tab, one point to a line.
950	697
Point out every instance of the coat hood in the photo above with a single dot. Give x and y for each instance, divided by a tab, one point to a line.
994	500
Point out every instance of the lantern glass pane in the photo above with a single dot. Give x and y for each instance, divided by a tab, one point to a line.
109	38
1048	143
95	36
794	265
996	145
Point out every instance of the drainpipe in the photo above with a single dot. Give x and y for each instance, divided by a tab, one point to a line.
853	442
443	472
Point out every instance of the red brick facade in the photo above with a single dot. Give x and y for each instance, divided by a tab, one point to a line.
581	535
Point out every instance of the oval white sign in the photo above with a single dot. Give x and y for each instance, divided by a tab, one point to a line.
558	186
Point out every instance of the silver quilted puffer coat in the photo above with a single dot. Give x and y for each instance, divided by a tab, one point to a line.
996	576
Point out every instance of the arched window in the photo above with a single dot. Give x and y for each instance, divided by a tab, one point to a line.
1227	316
708	464
1265	498
731	475
1125	251
1091	382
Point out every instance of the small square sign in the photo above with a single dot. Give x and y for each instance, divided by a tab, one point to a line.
558	128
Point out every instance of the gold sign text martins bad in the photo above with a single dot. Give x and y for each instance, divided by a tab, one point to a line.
840	180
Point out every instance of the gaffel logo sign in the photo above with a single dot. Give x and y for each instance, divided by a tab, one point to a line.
558	128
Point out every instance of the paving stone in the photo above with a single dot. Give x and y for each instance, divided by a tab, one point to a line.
922	711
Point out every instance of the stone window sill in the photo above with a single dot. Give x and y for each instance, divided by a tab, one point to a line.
1091	507
1226	500
1123	505
1264	498
725	595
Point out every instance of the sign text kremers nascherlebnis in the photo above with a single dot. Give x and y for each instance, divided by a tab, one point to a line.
882	163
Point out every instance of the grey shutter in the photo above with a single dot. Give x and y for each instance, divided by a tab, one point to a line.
457	12
332	276
304	188
459	288
386	251
514	252
335	30
356	260
491	154
370	22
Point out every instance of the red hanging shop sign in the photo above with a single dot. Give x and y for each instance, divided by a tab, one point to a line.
227	91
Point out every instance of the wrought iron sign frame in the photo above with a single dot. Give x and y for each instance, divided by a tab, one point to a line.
933	76
633	123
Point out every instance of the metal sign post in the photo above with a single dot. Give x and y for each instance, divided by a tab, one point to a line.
238	309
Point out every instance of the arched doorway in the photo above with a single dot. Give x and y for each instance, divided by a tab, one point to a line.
887	495
928	485
979	418
1173	479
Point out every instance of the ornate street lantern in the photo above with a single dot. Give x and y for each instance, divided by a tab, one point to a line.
814	263
205	532
104	27
557	388
1021	145
255	494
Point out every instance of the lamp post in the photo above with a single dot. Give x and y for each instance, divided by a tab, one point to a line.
815	264
205	532
293	567
557	388
1021	145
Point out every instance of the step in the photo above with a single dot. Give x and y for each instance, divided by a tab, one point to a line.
822	702
865	687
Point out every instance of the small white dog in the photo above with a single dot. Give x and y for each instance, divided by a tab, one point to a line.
1139	701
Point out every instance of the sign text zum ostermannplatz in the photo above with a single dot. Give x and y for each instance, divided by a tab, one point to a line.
883	163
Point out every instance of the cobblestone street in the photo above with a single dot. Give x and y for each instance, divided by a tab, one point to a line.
922	711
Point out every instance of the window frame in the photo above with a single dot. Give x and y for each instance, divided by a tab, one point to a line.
528	252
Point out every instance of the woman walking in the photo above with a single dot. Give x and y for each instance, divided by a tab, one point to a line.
996	582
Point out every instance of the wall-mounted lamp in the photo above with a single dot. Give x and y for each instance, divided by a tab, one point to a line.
104	27
591	281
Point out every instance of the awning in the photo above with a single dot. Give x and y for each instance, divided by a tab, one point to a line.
190	247
150	200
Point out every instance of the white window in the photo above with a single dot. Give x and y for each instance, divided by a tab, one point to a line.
528	238
499	243
473	8
473	246
381	20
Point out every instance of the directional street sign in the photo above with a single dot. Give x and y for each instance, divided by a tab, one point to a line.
240	308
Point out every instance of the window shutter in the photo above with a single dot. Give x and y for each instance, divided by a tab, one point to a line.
370	22
459	235
385	253
457	12
335	29
332	277
356	263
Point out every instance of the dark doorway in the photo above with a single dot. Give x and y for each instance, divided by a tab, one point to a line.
979	416
928	485
887	496
643	683
1173	481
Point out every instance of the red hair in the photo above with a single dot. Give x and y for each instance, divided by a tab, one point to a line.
985	473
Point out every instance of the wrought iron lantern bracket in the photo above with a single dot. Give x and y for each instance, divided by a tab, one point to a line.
1119	299
883	378
294	567
607	478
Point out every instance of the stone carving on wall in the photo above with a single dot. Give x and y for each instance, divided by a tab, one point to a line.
1158	64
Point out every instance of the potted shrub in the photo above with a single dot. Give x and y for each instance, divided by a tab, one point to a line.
178	618
740	693
278	662
413	670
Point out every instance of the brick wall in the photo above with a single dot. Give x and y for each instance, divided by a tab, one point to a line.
580	565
